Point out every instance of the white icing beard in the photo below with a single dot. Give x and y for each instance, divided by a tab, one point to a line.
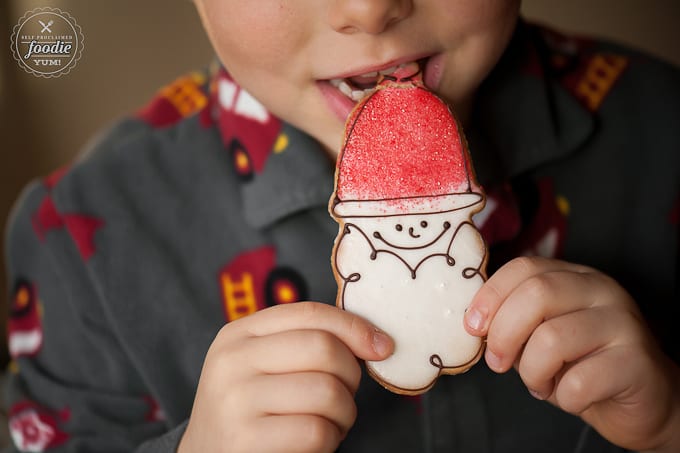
414	276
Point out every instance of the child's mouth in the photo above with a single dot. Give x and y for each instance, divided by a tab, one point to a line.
343	93
359	86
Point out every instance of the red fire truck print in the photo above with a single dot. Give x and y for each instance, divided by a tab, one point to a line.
180	99
253	281
249	131
588	74
36	429
25	333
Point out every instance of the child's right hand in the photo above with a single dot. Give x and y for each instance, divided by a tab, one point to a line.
282	379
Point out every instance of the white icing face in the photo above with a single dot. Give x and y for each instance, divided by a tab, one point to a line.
410	231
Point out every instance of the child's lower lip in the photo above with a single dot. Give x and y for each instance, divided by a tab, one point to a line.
339	104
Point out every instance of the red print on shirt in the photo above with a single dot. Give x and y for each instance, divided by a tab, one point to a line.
252	281
180	99
155	412
248	130
35	428
587	73
47	217
81	228
25	333
509	235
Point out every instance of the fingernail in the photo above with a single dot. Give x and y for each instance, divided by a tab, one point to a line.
382	343
493	360
537	395
475	319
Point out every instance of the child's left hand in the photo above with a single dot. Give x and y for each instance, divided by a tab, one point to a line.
578	340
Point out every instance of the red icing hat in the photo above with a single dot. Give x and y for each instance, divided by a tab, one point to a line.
403	153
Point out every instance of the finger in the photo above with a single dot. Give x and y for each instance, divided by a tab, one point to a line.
532	302
633	404
364	340
584	384
310	393
304	350
561	341
295	434
500	285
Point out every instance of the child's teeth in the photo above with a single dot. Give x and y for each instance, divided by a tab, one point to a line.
345	88
357	95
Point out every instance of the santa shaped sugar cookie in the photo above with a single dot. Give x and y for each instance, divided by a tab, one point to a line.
407	256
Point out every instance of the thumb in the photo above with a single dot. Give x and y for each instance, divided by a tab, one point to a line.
365	340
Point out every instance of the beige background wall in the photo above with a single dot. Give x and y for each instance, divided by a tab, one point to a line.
132	47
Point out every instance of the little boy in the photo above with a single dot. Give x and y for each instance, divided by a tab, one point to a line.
153	279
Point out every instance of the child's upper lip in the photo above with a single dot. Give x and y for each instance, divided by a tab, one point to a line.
361	70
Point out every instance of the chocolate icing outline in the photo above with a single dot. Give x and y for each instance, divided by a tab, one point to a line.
467	272
445	228
336	201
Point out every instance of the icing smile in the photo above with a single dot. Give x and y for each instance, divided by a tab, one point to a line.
414	235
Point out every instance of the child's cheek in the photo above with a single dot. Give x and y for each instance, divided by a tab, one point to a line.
243	35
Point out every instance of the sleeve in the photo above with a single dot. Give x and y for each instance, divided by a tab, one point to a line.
70	385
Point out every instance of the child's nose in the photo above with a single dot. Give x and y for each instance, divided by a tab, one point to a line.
367	16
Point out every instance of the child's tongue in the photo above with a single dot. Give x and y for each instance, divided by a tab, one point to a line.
407	70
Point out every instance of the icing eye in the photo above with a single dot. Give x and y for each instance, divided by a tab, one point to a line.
399	227
423	224
447	225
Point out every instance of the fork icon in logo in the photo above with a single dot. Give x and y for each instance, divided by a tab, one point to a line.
46	26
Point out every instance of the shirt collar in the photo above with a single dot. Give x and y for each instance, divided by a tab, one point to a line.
524	85
285	171
297	179
282	169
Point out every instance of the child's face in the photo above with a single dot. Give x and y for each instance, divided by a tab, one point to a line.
287	52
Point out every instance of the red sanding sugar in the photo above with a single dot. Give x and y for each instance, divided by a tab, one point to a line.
402	142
